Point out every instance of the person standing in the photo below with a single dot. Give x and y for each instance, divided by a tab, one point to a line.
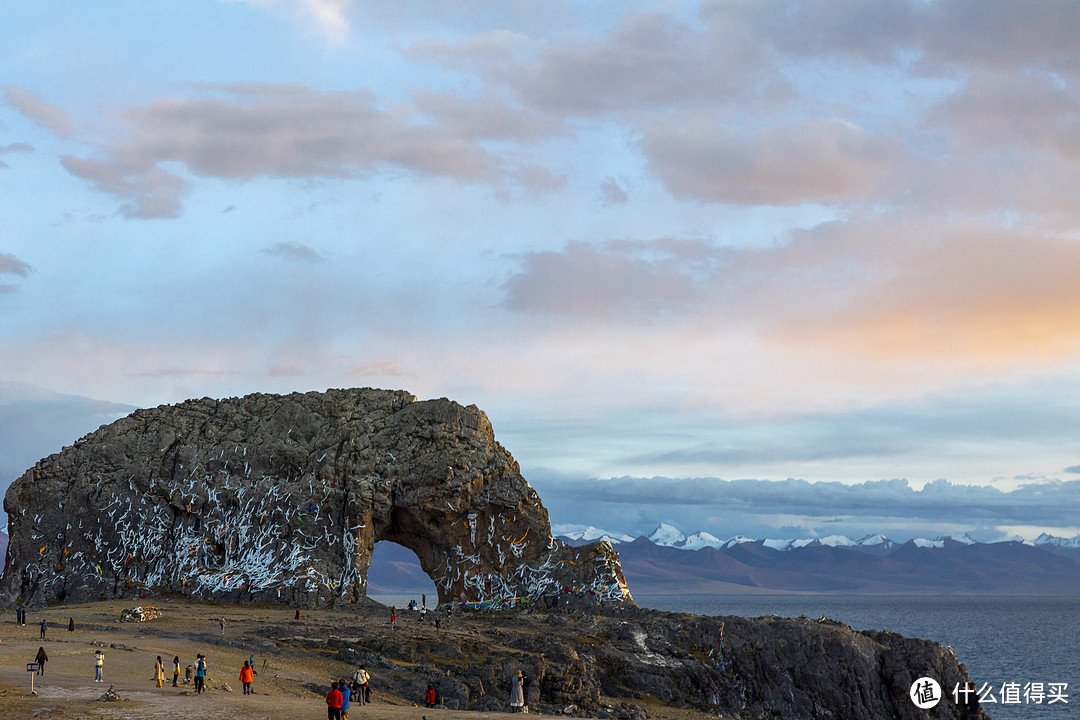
393	621
175	669
333	702
71	624
346	693
41	659
159	671
247	676
222	621
200	673
99	662
43	626
532	694
517	697
297	618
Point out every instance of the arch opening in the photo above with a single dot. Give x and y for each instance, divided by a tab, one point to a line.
395	577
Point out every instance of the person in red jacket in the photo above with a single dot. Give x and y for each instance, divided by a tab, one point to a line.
333	702
247	676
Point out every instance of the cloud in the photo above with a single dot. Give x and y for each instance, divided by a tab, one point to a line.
1015	112
246	131
149	191
940	502
33	107
926	292
888	293
11	265
16	148
823	161
330	16
294	251
613	193
605	279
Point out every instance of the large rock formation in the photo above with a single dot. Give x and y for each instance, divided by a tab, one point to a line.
282	498
622	662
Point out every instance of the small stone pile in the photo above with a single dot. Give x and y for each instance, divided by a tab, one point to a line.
140	614
110	696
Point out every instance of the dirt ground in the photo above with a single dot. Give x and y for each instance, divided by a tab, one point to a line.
289	685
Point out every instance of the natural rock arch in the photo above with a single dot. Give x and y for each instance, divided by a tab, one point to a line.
271	497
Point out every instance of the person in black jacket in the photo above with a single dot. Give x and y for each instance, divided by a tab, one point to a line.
41	659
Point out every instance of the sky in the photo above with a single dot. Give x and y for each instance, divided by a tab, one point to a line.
777	268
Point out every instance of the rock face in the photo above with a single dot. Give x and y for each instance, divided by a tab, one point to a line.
282	498
625	662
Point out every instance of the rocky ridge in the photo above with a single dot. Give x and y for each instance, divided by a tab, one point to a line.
628	663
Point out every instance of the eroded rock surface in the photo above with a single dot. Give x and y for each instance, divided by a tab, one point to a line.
282	498
623	662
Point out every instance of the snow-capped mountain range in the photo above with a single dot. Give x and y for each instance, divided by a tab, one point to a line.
669	536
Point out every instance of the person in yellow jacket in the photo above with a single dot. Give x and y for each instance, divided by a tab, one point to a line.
159	671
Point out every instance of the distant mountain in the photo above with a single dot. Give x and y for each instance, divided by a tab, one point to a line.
669	562
590	534
700	540
941	566
395	570
667	536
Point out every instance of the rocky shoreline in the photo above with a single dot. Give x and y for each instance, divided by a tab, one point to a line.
621	661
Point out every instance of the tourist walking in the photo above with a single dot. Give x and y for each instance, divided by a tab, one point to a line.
517	697
159	671
175	669
333	702
200	673
43	626
41	659
346	693
99	662
362	679
247	676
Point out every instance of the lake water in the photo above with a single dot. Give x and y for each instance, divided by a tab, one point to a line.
1000	639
